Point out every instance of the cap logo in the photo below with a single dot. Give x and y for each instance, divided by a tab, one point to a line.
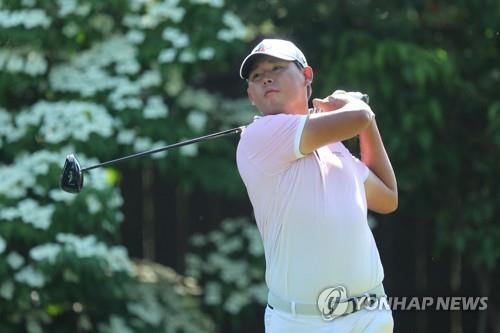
261	48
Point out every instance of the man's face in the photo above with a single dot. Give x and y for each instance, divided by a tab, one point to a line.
278	86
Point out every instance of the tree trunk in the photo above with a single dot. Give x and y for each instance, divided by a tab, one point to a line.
455	284
181	228
148	214
421	271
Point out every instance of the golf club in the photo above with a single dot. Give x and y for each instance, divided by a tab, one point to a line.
71	179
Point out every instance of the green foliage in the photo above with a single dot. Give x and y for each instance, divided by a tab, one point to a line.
229	263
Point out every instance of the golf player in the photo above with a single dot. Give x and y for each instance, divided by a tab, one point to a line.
310	197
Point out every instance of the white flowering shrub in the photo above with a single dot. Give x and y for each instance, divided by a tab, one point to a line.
229	262
102	79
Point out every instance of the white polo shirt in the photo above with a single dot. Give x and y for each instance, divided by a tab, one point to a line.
310	210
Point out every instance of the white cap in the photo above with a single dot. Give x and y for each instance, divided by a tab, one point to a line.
277	48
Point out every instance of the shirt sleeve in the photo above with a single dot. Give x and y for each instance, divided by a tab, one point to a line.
271	143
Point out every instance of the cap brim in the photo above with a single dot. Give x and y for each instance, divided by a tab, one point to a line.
247	63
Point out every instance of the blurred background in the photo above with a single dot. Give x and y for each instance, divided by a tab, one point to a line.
168	243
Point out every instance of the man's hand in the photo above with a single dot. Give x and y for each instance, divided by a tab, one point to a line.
342	117
336	100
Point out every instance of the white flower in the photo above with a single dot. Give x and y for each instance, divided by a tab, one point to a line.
198	240
15	63
66	7
28	3
259	292
135	36
47	252
197	120
142	144
213	3
236	29
31	213
97	179
189	150
7	128
124	87
167	55
70	30
83	9
235	272
119	216
86	247
4	55
93	204
148	311
115	201
159	11
87	73
15	260
132	102
58	195
126	136
176	37
155	108
30	276
62	120
161	154
16	178
35	64
235	302
198	99
128	67
187	57
177	14
116	324
149	79
30	18
38	216
255	247
231	245
231	225
218	260
3	244
213	293
132	21
135	6
117	259
7	289
101	22
206	53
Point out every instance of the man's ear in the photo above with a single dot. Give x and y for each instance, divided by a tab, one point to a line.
308	74
250	96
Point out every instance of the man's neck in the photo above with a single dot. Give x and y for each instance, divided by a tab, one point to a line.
291	109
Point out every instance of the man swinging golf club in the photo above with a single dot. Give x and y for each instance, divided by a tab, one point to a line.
310	197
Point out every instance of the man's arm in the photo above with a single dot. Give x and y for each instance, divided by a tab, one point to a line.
380	186
343	123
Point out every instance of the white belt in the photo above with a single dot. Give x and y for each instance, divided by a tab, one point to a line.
354	303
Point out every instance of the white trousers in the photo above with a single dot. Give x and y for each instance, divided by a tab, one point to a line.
362	321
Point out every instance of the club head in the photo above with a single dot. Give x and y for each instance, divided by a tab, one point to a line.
71	176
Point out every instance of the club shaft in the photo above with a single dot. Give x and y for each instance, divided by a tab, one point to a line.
175	145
